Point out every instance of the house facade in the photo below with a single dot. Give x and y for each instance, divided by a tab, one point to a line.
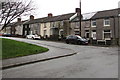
101	26
56	25
85	25
32	26
15	28
96	26
104	25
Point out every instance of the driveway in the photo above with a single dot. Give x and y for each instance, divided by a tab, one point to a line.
89	62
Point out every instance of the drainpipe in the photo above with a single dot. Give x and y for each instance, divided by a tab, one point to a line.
114	38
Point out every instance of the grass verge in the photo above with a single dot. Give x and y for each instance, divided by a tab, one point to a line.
12	49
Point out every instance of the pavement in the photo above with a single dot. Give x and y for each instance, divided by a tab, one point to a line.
53	53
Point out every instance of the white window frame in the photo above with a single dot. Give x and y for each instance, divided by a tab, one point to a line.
87	24
77	24
105	22
31	32
107	32
61	23
93	34
92	23
25	32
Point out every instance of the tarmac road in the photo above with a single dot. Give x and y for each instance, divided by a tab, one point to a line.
89	62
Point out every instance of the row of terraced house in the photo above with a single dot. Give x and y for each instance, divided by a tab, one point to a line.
96	26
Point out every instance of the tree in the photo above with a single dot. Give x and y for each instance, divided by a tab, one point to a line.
11	9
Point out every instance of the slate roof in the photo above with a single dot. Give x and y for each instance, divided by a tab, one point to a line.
86	16
35	21
59	17
15	23
51	19
106	13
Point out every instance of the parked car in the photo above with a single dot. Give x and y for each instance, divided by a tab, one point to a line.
6	35
76	39
33	36
1	34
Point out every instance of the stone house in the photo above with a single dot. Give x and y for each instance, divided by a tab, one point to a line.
48	26
101	26
85	25
32	26
98	26
56	25
15	28
104	24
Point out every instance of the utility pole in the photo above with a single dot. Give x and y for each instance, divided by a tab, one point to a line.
80	20
118	23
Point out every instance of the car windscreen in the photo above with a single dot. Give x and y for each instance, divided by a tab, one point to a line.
83	39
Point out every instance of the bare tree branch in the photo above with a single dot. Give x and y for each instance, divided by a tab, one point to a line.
12	9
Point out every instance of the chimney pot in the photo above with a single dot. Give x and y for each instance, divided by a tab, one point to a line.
50	15
77	10
19	20
31	17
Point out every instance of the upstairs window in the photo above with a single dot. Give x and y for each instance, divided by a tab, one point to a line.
77	25
87	24
106	22
93	23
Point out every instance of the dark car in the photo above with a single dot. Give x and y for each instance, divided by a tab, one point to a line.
75	39
6	35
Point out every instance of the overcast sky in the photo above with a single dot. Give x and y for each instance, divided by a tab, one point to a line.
58	7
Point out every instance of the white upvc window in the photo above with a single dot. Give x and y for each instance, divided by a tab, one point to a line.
31	32
107	34
93	35
26	26
77	24
61	23
106	22
93	23
61	32
25	32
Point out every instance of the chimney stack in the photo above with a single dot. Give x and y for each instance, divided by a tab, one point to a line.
31	17
77	10
18	19
50	15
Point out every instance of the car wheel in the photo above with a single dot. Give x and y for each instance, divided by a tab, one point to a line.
33	38
77	42
67	42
